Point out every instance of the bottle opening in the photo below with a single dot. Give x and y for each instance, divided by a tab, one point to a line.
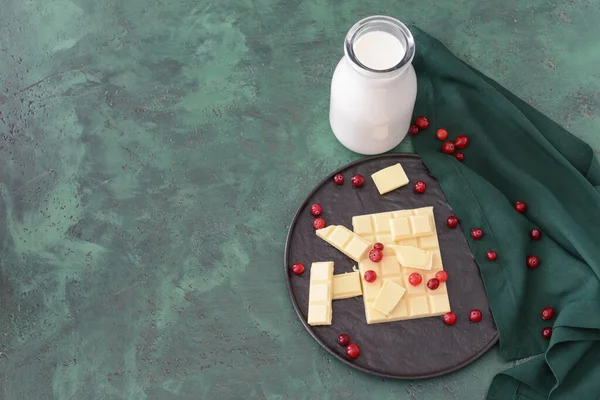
379	44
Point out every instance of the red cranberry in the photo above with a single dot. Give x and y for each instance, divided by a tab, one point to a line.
476	233
520	206
413	130
316	209
422	123
452	222
460	156
338	179
352	350
535	234
298	268
461	141
450	318
448	147
475	315
358	180
378	246
441	134
441	276
491	255
433	284
547	313
420	187
547	332
343	339
533	262
415	279
319	223
370	276
375	255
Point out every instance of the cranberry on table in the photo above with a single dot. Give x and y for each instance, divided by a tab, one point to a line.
378	246
547	313
319	223
547	332
352	350
476	233
460	156
375	255
358	180
448	147
441	134
415	279
298	268
422	123
433	284
533	262
338	179
343	339
370	276
520	206
420	187
316	209
441	276
461	141
475	315
491	255
535	234
413	130
452	222
450	318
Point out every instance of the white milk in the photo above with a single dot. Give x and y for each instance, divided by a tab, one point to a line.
370	108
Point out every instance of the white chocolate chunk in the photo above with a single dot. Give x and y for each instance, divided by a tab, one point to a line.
345	241
413	257
346	286
388	297
320	293
390	178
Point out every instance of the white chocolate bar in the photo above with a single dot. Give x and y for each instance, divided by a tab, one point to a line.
413	257
388	297
390	178
345	241
320	293
346	285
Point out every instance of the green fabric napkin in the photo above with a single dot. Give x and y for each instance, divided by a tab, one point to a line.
517	154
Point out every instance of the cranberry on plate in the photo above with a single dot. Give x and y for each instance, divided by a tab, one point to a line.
452	222
343	339
319	223
358	180
415	279
375	255
475	315
316	209
450	318
338	179
352	350
378	246
370	276
422	123
433	284
298	268
441	276
420	187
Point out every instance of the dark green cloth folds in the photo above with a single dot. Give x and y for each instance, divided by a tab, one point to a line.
517	154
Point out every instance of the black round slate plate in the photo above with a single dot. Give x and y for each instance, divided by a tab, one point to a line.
413	349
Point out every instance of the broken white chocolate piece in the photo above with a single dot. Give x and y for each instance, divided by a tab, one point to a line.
346	285
345	241
390	178
413	257
320	293
388	297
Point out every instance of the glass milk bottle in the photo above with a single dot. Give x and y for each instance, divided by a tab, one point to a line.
374	86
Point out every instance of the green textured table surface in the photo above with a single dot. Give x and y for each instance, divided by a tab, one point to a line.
152	155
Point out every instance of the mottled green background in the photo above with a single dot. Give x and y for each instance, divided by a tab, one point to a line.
152	154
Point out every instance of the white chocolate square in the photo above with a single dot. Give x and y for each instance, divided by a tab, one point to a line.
346	285
390	178
413	257
388	297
